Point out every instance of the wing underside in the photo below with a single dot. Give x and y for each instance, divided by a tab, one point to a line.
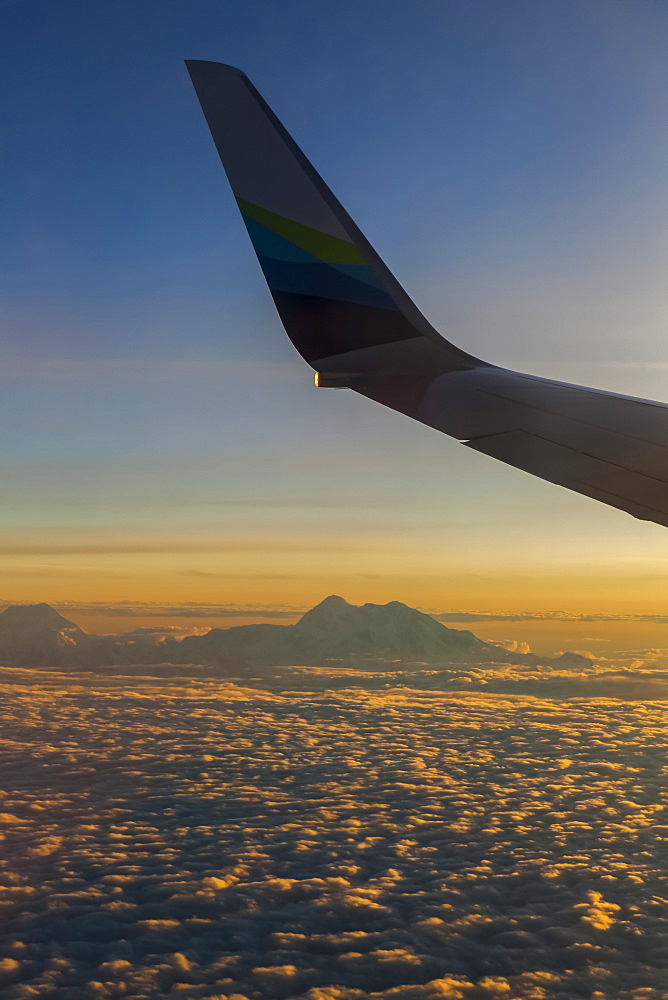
351	320
609	447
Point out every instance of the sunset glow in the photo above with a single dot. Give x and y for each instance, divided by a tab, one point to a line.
161	439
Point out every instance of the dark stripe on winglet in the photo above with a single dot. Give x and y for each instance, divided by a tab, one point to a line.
321	328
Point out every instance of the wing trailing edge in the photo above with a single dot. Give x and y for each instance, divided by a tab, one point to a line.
351	320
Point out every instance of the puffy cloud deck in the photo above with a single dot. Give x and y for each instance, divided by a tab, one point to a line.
189	838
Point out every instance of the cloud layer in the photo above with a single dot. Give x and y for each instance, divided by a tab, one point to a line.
198	839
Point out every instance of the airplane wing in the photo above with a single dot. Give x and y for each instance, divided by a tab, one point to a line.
354	324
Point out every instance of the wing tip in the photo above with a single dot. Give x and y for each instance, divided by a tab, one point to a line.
199	66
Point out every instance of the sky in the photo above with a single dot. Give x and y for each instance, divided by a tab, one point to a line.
160	437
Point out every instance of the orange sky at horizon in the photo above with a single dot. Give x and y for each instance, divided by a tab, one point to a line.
300	574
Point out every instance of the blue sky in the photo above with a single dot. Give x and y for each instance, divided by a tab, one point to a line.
159	435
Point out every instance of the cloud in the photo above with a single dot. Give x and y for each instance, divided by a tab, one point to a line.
149	370
542	616
164	546
240	576
188	837
132	609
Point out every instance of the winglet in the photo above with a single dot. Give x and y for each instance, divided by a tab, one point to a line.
340	305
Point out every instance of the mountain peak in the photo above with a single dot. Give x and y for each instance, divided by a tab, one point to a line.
330	613
24	618
333	601
340	629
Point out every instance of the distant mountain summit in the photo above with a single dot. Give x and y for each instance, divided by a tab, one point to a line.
35	635
330	614
392	631
26	619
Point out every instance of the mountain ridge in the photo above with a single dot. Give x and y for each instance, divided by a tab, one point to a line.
332	633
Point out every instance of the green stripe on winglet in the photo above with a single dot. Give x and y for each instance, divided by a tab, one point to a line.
329	249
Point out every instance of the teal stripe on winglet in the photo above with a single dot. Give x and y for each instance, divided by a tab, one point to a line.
269	244
321	281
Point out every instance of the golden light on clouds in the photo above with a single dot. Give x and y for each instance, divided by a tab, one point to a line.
207	838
